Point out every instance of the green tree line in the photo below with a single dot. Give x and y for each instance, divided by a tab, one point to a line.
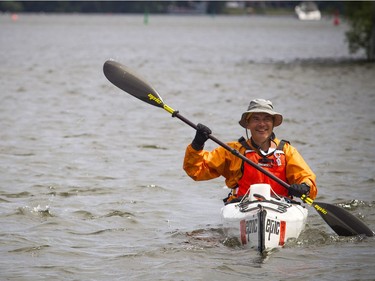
140	6
95	6
80	6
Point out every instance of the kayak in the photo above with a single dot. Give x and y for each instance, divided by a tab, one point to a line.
263	222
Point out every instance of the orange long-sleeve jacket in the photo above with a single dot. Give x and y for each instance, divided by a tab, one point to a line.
205	165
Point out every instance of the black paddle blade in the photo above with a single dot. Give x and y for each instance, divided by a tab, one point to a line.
341	221
122	77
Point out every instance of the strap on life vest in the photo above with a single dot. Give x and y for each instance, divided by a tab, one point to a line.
244	143
264	159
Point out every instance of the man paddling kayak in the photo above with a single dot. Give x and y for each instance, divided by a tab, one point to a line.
278	157
340	220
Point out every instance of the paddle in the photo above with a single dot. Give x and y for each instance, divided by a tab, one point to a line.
340	220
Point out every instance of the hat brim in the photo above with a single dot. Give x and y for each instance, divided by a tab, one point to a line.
278	118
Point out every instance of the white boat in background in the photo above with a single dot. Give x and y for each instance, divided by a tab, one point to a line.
308	11
263	222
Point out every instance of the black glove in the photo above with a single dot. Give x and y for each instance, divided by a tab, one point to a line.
200	137
299	189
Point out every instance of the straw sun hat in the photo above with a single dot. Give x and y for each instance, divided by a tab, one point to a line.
260	106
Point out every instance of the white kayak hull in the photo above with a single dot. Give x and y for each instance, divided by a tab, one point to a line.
262	222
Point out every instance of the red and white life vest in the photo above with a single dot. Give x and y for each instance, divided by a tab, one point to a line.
275	163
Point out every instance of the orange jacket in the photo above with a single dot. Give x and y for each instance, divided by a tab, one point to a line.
205	165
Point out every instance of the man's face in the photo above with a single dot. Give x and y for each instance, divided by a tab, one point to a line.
260	126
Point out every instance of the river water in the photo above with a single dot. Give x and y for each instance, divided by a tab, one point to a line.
92	186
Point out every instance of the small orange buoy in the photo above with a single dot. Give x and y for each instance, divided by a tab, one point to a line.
14	17
336	18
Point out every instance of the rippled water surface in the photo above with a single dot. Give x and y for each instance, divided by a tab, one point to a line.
92	186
